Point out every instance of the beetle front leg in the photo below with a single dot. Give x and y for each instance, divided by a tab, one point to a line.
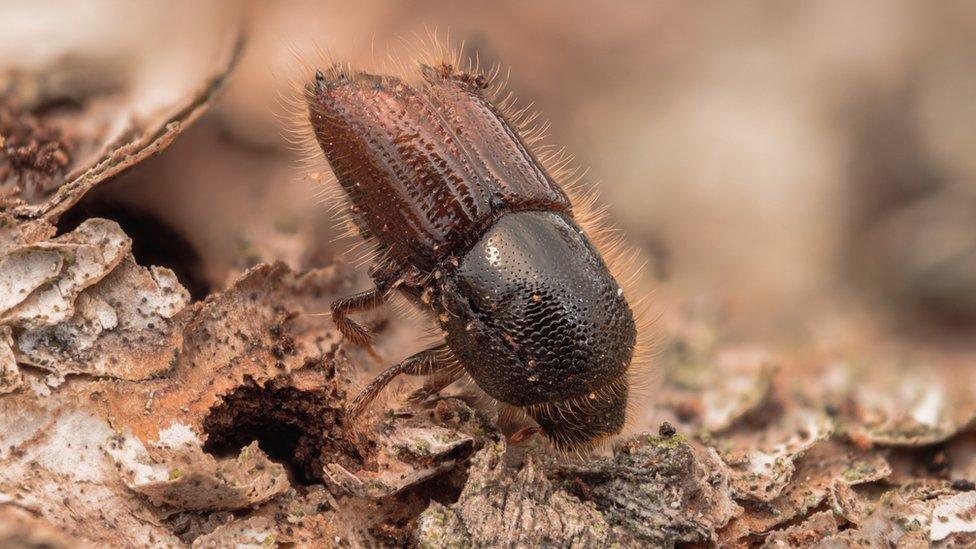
357	303
427	362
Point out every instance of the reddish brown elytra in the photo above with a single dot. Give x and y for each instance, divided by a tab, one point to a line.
471	227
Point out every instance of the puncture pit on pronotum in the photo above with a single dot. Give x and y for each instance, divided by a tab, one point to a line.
488	238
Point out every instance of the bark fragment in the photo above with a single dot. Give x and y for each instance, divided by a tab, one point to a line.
411	448
762	462
80	304
254	532
48	175
912	410
817	476
501	507
922	514
21	528
44	279
809	533
709	387
186	478
662	490
10	379
653	492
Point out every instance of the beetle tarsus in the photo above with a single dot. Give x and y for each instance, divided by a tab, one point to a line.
357	303
523	435
435	384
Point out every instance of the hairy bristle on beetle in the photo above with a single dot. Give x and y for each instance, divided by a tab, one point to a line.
449	87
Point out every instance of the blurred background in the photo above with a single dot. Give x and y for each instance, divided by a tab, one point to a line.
784	164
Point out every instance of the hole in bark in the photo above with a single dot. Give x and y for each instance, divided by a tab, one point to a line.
299	429
154	242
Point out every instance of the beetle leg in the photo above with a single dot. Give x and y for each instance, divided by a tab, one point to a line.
426	362
524	434
435	383
350	329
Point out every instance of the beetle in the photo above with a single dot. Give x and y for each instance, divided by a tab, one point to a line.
471	227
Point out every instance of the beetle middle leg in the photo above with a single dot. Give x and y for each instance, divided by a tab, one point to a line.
432	361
